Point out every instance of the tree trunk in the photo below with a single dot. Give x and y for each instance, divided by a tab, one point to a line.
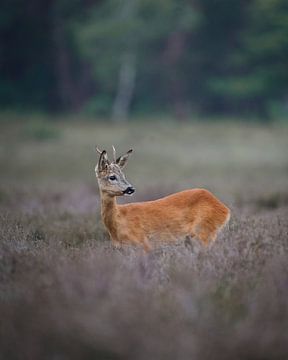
67	89
127	70
173	55
126	84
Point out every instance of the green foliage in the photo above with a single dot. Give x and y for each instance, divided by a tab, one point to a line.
246	86
260	63
210	56
26	74
98	106
115	27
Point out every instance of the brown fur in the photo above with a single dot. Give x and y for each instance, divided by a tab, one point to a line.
196	213
188	213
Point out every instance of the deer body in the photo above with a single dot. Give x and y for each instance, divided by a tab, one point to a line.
196	213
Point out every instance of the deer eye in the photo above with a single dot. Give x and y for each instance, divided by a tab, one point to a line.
112	177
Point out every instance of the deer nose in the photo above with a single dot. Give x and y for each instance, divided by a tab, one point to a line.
130	190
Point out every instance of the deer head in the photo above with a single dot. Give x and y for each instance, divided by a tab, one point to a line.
110	176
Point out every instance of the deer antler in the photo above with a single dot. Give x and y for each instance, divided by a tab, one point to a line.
114	153
98	150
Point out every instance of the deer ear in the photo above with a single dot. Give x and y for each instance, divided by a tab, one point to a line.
103	161
122	160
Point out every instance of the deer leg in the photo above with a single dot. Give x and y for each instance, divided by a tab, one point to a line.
188	240
142	241
206	236
116	244
136	239
146	245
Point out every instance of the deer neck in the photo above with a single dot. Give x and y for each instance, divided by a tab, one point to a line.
109	210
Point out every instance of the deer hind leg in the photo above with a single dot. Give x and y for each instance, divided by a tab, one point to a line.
206	232
189	241
207	228
136	239
207	237
146	244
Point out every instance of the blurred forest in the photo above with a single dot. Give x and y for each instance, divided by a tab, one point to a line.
117	57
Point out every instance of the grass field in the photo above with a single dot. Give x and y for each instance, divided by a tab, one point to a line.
66	293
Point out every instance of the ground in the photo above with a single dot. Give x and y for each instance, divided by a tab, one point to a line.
66	293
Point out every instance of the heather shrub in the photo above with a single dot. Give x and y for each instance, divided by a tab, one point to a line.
67	293
69	296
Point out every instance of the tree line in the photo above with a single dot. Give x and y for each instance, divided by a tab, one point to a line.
117	57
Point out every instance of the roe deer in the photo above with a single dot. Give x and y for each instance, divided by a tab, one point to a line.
194	212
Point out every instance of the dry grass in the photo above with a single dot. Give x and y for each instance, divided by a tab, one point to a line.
65	293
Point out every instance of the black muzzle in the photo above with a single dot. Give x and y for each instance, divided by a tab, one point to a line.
130	190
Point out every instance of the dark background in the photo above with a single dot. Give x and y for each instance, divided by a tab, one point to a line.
112	58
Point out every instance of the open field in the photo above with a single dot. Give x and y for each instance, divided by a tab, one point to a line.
66	293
